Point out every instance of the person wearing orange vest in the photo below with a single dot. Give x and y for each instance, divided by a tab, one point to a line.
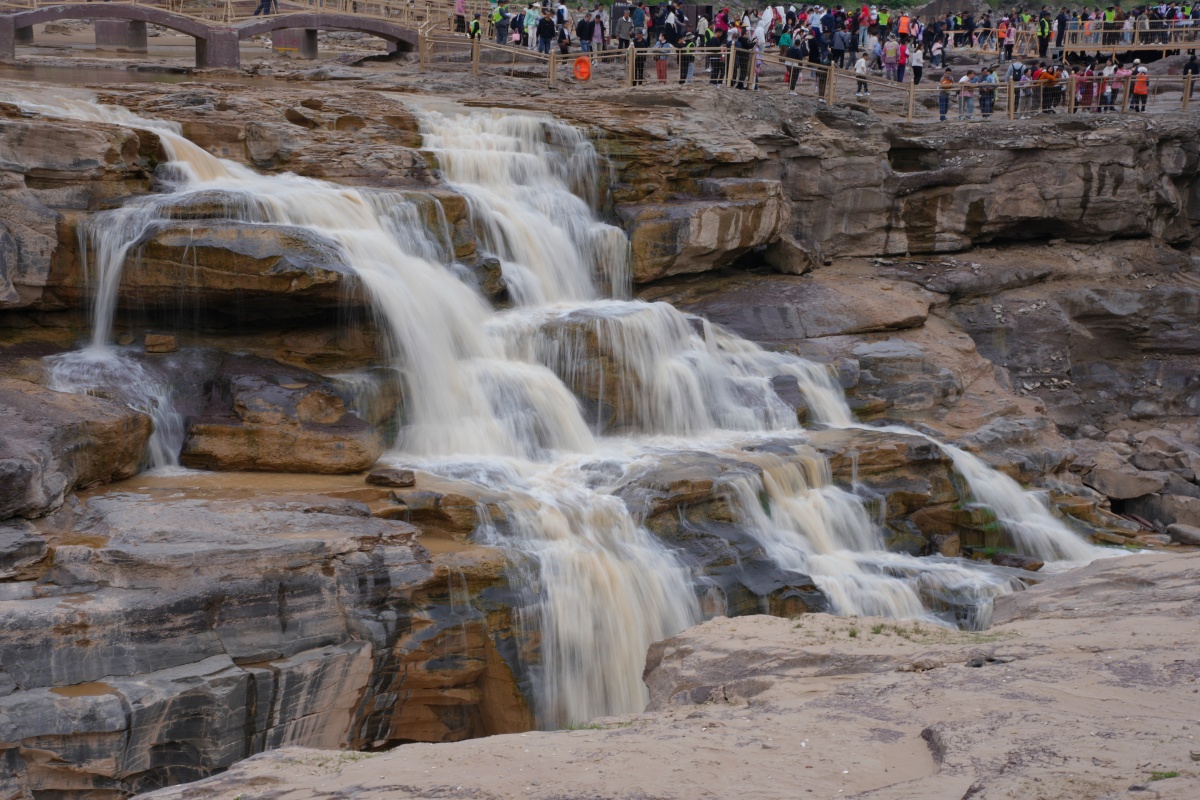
1140	90
902	25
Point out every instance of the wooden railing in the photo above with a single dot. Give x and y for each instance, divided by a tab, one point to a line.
770	72
1093	38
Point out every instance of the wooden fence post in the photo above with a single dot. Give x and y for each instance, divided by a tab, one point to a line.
629	56
912	100
1125	93
1071	93
553	66
475	57
1012	99
1187	90
729	66
829	88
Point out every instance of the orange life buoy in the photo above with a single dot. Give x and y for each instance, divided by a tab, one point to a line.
583	68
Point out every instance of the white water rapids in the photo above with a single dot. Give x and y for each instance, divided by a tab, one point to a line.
493	397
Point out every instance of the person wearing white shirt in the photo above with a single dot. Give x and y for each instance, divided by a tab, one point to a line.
860	74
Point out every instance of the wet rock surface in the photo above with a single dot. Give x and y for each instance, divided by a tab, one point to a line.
55	443
1082	688
202	630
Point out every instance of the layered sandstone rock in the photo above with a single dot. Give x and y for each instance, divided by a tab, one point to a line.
1080	688
262	415
202	631
54	443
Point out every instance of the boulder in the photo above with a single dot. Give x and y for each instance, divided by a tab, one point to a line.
1167	509
263	415
1123	484
54	443
1184	534
1017	561
732	216
391	476
787	308
224	265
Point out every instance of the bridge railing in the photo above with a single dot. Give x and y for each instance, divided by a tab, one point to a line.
411	12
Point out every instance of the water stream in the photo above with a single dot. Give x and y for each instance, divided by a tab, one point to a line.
556	401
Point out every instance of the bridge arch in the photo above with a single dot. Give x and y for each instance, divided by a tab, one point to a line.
398	35
212	42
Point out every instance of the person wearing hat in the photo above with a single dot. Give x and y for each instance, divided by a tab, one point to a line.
1140	89
474	30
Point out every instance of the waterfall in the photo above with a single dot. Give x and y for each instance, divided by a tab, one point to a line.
552	403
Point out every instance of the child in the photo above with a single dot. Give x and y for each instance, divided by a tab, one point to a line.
860	72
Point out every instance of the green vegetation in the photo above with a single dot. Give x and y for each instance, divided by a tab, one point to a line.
877	629
1162	776
853	632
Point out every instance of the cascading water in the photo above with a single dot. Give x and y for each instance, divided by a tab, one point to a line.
491	397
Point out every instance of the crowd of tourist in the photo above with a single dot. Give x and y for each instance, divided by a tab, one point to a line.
869	40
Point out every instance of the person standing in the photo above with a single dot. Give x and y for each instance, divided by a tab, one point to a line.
1139	91
687	57
947	85
662	52
623	30
460	16
1043	34
1060	34
916	63
987	92
500	22
743	47
546	31
474	30
585	29
841	43
966	96
861	87
599	30
901	61
640	46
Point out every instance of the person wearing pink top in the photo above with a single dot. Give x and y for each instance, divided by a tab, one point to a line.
460	16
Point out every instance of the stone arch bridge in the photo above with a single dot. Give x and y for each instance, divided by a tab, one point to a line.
216	43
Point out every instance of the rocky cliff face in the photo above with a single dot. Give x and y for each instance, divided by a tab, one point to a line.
157	632
152	638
